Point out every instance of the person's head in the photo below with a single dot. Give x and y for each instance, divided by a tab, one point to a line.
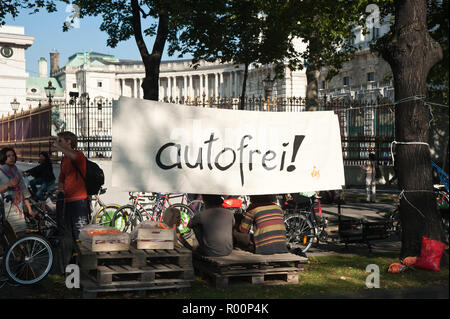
262	199
172	217
8	156
212	200
44	158
68	138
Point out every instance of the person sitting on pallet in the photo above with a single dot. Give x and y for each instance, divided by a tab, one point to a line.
172	218
213	228
269	231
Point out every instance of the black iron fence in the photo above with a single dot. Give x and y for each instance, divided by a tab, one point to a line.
365	127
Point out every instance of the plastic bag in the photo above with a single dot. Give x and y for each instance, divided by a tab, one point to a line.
396	268
430	254
409	261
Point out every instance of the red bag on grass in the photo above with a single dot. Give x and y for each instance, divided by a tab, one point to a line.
430	254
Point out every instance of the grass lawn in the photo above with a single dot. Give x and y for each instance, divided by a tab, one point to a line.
324	275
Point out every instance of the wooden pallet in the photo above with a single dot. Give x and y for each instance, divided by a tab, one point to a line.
90	260
91	289
178	256
255	269
135	270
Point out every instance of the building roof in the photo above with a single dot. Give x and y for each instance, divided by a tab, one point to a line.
80	58
39	83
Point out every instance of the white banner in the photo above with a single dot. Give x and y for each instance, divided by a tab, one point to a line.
162	147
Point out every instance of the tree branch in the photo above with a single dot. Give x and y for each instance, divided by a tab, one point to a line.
144	15
136	22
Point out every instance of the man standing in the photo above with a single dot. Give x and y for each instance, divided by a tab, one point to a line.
71	183
213	228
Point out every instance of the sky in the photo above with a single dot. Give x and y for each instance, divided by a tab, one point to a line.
47	30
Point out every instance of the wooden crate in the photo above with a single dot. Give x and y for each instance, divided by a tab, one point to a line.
155	238
106	243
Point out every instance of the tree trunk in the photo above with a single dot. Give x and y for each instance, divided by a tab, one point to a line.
313	73
244	86
152	61
411	54
312	88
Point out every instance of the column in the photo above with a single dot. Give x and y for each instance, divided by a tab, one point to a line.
134	87
200	89
160	92
139	95
141	88
176	91
121	87
222	91
185	93
230	87
206	86
236	85
169	87
216	84
191	91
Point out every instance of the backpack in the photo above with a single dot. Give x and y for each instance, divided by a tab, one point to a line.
94	179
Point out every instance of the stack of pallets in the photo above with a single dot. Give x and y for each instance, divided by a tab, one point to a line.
134	270
241	266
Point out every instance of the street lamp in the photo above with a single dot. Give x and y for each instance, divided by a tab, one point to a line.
50	92
15	105
268	84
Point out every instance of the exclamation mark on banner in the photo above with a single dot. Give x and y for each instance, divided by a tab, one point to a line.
297	142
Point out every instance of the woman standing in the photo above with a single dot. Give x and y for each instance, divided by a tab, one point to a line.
370	169
11	182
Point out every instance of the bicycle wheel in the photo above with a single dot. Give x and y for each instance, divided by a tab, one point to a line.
299	231
197	205
186	214
28	259
126	219
105	215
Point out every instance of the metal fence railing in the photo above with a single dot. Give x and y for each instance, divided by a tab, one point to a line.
365	127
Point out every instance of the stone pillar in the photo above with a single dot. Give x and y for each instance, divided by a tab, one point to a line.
121	87
185	93
176	92
200	89
169	87
191	91
216	84
221	86
134	87
206	86
230	87
236	85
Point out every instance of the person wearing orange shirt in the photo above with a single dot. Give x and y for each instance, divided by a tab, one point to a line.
71	183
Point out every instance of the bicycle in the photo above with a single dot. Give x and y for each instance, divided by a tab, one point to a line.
103	212
127	217
28	259
302	224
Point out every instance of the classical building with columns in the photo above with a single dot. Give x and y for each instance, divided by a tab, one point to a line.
104	76
13	75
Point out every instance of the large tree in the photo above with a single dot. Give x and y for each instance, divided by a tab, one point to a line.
237	31
326	27
124	19
412	52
